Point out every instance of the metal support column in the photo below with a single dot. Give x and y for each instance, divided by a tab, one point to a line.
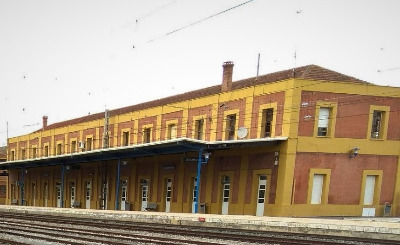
117	185
62	185
21	184
199	162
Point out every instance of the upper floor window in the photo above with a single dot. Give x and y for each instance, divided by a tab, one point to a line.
12	157
46	151
378	122
230	127
172	131
325	118
199	129
377	127
323	121
266	124
89	142
34	152
147	135
125	138
59	149
73	146
23	154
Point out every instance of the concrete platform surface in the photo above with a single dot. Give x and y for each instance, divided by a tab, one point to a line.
371	227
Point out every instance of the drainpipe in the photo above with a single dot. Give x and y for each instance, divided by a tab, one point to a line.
62	185
117	185
199	162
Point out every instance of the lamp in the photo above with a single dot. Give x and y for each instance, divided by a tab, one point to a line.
276	158
353	152
207	156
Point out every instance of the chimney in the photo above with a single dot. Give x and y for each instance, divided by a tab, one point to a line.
44	122
227	76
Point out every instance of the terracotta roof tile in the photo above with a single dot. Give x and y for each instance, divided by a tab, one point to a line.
310	72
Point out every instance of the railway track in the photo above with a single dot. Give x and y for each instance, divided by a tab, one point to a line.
39	229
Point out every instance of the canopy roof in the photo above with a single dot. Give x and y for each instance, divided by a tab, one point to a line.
173	146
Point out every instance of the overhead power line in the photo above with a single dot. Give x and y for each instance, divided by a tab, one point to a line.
390	69
204	19
155	11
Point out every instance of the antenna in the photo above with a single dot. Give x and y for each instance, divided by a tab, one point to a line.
295	65
242	132
258	64
7	136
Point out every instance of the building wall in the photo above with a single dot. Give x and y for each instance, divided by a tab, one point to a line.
295	103
3	189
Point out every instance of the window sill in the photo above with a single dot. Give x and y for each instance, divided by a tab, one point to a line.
323	136
376	139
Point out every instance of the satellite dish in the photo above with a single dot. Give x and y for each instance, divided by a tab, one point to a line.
242	132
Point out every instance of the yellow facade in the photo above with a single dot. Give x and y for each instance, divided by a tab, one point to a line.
289	179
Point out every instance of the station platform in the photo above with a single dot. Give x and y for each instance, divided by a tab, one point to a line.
387	228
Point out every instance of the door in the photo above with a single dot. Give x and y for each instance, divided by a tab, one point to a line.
88	193
72	193
194	200
369	193
45	194
225	194
262	185
58	194
168	195
124	194
145	194
104	189
316	193
33	194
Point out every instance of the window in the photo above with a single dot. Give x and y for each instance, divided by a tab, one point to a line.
198	129
89	142
23	154
59	149
147	135
46	151
317	188
172	129
125	138
323	121
230	127
12	157
369	190
266	124
73	146
34	152
377	123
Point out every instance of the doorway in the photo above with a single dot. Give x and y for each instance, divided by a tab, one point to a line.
88	194
226	185
168	195
144	184
262	187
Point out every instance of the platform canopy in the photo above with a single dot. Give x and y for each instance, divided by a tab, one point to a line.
166	147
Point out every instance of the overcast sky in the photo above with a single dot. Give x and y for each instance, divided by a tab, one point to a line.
68	58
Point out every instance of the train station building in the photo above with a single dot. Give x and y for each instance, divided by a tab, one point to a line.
307	141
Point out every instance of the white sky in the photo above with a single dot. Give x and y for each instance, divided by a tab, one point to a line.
68	58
